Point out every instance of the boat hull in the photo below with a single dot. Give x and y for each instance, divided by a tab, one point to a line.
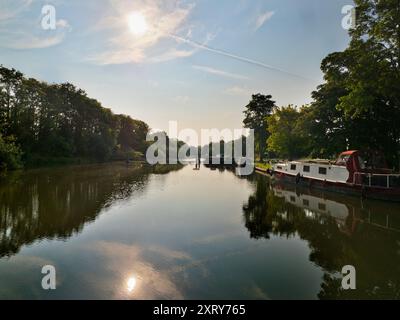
385	194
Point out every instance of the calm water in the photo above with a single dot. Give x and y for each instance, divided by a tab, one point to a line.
114	232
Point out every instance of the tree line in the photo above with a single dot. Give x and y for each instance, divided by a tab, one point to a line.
41	123
357	106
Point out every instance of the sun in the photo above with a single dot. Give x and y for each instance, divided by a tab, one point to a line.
137	23
131	284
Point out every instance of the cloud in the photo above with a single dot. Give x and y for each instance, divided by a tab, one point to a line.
156	45
227	54
262	19
168	36
63	24
21	30
26	41
238	91
219	72
9	9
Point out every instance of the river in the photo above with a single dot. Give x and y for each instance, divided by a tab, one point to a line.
118	232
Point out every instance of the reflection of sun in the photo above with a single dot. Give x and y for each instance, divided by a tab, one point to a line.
137	23
131	284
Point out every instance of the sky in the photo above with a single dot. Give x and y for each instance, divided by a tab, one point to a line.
194	62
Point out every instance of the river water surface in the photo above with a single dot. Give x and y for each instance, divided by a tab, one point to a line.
117	232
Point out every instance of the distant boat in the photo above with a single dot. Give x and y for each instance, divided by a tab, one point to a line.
354	172
221	161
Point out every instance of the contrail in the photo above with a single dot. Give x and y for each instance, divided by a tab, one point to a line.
236	57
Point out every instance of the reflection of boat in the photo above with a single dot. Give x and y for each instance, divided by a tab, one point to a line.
348	212
315	206
350	174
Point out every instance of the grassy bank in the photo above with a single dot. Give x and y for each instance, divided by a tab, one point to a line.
262	165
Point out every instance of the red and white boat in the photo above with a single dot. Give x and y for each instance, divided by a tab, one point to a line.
354	172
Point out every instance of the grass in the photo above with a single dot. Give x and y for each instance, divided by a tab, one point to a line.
262	165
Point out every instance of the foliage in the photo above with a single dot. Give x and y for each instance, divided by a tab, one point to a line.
358	106
59	121
287	137
256	113
10	154
262	165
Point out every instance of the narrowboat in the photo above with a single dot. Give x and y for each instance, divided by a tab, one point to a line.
354	172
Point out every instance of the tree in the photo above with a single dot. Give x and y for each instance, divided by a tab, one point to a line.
287	138
46	122
10	154
132	134
360	100
10	80
328	129
256	114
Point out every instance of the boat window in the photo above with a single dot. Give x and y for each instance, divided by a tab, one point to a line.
279	167
293	167
306	202
343	159
322	170
322	206
293	199
306	168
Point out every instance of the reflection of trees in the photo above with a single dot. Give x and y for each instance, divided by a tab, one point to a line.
374	251
58	203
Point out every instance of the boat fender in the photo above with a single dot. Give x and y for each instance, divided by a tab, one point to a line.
298	177
270	172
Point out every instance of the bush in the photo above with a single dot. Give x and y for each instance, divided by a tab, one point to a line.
10	154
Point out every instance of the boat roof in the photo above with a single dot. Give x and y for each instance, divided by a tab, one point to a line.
349	153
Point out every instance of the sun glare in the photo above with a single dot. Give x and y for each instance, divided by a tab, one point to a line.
137	23
131	284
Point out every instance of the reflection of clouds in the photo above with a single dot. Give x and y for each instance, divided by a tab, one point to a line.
168	253
129	274
255	292
126	262
219	237
26	261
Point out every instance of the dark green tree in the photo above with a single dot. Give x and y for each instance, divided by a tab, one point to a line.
256	114
359	104
46	122
287	134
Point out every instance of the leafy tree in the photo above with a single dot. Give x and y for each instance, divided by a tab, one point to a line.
132	134
359	104
256	114
287	138
10	80
10	154
60	121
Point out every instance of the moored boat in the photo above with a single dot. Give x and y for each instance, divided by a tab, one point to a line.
354	172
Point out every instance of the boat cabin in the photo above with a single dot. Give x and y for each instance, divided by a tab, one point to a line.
351	167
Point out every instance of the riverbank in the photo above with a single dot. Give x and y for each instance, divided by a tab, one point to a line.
262	167
137	164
